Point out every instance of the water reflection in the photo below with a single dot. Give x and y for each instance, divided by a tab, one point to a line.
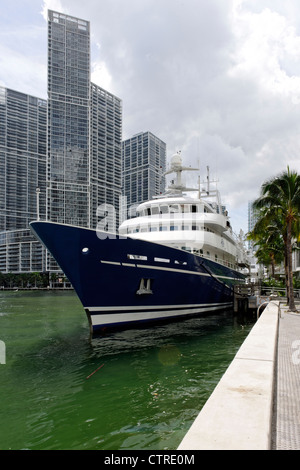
151	386
159	336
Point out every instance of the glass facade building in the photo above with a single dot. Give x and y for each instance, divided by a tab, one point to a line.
68	119
105	151
84	131
23	129
144	165
69	146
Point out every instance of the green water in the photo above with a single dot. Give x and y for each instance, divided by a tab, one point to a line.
150	386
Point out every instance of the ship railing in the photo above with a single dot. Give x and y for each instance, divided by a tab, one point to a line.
225	263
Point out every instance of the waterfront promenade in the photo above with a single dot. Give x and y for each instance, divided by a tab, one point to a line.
256	404
286	424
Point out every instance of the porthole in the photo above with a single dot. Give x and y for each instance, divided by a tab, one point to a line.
85	250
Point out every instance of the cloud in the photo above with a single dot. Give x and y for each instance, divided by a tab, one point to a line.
219	80
55	5
26	82
269	50
100	74
23	49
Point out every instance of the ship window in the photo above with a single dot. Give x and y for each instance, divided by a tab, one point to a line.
153	229
164	209
194	227
85	250
154	210
162	260
139	257
174	208
173	227
194	208
162	228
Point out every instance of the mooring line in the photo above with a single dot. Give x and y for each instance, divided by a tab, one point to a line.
94	371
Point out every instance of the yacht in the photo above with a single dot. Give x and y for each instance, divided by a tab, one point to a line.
177	257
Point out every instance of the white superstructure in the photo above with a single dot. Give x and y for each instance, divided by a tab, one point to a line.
187	223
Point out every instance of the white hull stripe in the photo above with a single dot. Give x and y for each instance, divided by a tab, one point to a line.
127	317
161	268
133	308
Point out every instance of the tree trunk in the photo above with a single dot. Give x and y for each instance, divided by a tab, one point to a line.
286	270
273	265
291	304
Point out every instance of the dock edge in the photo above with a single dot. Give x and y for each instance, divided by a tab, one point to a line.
238	414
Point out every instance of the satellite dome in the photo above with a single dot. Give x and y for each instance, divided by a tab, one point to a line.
176	160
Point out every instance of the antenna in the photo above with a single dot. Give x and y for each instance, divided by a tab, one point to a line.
207	179
178	168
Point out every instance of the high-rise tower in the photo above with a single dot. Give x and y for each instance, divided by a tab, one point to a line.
59	159
144	164
23	127
68	119
84	128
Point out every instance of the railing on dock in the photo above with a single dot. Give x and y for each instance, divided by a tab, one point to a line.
251	296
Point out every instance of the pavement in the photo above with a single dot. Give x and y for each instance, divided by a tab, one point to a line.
286	417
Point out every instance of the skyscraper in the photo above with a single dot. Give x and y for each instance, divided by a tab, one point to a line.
252	219
144	164
84	128
68	119
105	151
23	128
69	147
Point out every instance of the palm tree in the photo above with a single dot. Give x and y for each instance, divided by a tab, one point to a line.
279	205
267	239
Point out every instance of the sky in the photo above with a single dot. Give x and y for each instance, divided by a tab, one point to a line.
218	80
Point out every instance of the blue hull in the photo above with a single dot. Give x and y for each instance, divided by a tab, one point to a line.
123	281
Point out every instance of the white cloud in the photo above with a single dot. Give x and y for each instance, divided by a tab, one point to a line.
100	75
268	50
23	56
219	80
55	5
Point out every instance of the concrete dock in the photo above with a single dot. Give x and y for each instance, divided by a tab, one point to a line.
286	426
256	404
